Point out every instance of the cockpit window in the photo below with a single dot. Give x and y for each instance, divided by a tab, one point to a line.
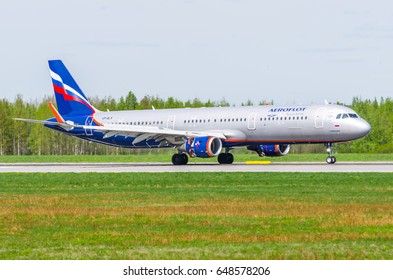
345	116
353	116
338	116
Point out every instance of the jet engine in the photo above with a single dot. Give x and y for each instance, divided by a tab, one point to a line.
204	147
271	150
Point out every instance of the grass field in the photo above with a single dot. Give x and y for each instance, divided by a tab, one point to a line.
199	216
166	156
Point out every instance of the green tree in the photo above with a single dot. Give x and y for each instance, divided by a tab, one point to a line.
6	128
131	102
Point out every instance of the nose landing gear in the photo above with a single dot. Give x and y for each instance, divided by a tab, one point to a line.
330	159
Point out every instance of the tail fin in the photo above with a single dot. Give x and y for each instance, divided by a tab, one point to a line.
69	97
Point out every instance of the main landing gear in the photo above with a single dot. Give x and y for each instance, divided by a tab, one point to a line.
180	159
225	158
330	159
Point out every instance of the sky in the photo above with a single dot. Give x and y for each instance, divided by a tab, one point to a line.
292	52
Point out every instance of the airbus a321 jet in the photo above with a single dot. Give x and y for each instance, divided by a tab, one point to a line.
201	132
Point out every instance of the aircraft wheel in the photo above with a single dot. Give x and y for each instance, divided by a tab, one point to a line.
225	158
184	158
179	159
229	158
331	160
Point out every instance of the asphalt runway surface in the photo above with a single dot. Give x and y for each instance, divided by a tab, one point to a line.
197	167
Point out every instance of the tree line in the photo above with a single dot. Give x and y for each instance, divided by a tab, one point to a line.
20	138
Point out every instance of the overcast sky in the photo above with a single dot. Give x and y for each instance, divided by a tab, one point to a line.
292	52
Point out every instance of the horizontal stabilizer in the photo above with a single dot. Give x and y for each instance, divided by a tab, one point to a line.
64	125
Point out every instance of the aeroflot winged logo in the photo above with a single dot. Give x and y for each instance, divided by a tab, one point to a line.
289	109
68	93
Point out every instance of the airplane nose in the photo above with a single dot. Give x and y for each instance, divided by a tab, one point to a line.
363	128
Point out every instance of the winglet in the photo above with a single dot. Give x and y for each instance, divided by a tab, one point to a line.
58	117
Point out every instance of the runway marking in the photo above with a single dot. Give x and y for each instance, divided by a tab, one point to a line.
253	162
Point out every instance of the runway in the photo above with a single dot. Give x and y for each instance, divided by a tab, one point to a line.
197	167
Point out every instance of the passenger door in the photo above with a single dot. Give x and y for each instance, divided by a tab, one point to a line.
252	117
171	122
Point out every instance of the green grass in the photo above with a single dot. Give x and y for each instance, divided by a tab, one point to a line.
166	157
196	216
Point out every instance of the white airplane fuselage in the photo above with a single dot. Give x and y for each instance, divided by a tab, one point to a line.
246	125
201	132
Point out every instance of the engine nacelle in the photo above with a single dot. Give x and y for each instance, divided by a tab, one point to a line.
204	147
275	150
271	150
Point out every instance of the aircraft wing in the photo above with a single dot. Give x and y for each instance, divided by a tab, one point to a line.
142	133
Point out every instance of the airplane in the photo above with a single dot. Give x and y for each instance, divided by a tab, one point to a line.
201	132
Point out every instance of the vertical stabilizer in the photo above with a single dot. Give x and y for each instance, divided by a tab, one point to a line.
69	97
